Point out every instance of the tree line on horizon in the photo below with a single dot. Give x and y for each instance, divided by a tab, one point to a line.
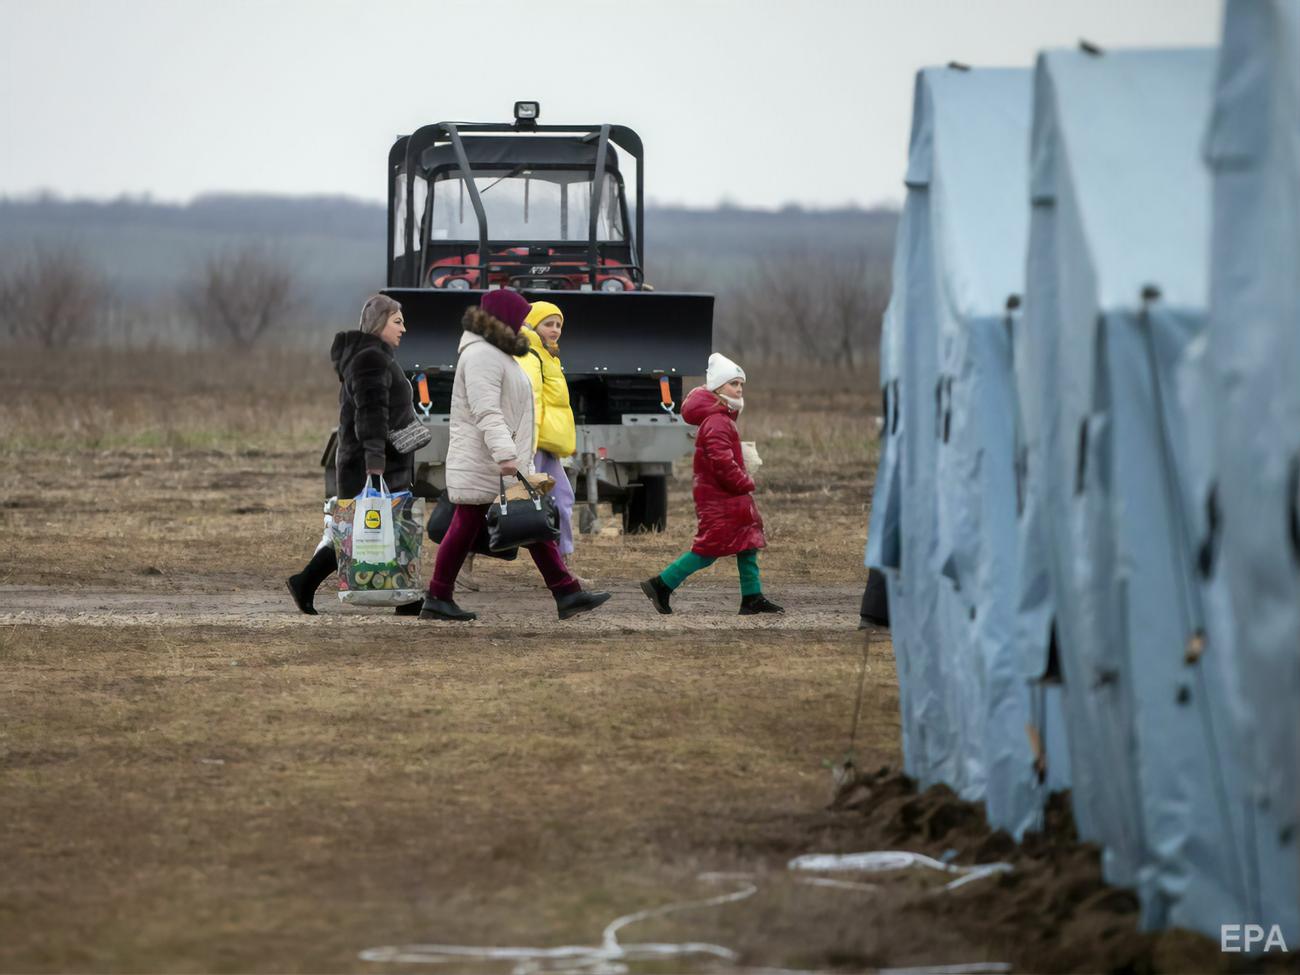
236	271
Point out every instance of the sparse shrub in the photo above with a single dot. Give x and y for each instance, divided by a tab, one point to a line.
798	308
238	295
53	298
854	299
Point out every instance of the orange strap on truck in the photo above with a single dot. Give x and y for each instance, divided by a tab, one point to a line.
422	385
665	394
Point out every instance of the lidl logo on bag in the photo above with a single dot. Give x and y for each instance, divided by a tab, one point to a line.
373	519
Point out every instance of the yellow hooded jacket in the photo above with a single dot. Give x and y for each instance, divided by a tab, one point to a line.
556	432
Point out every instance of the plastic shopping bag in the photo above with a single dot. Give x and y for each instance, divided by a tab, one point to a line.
372	531
377	538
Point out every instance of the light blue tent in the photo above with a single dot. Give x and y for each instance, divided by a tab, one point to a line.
921	609
902	535
946	475
1116	295
1252	540
1150	448
979	122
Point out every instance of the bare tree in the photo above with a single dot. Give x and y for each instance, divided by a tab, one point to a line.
786	295
54	297
856	294
238	295
803	309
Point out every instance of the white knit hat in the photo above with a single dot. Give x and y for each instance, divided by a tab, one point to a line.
721	371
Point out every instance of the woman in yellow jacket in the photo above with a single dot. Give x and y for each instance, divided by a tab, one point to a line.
556	431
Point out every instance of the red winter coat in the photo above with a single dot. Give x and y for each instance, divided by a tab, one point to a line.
729	522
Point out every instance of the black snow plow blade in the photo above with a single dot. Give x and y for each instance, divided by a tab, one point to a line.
649	333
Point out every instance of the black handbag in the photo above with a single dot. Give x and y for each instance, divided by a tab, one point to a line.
527	521
440	521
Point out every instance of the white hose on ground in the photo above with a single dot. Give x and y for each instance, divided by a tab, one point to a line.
613	958
879	861
970	968
610	938
609	958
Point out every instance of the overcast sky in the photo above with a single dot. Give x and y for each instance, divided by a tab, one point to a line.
761	102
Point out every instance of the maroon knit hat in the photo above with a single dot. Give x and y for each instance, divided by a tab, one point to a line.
509	306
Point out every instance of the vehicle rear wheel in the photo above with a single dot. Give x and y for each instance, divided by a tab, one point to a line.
647	506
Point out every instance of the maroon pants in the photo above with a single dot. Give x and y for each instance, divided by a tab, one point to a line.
466	523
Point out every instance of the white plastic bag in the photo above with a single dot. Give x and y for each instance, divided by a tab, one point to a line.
372	528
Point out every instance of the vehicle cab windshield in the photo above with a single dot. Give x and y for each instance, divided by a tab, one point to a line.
525	204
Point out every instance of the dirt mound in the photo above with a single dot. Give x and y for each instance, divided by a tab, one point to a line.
1053	912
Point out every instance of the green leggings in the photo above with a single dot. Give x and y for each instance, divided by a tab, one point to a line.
690	563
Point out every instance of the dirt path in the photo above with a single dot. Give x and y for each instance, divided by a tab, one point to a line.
809	609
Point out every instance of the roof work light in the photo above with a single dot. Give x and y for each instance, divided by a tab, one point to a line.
527	111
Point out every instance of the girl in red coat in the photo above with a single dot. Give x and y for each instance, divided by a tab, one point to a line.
729	522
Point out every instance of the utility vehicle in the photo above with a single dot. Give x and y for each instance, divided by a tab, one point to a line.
544	209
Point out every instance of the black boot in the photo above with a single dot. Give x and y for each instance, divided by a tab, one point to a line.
409	609
445	609
758	603
659	594
576	603
303	586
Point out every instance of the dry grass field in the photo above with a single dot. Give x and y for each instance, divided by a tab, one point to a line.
194	777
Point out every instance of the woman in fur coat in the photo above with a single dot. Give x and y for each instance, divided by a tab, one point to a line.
374	400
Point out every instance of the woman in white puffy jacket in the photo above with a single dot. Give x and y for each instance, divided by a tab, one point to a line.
492	436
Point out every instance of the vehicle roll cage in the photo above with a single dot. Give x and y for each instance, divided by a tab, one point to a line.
404	162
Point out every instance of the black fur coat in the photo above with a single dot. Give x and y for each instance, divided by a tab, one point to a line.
374	398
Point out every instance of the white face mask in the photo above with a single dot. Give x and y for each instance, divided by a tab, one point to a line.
736	404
